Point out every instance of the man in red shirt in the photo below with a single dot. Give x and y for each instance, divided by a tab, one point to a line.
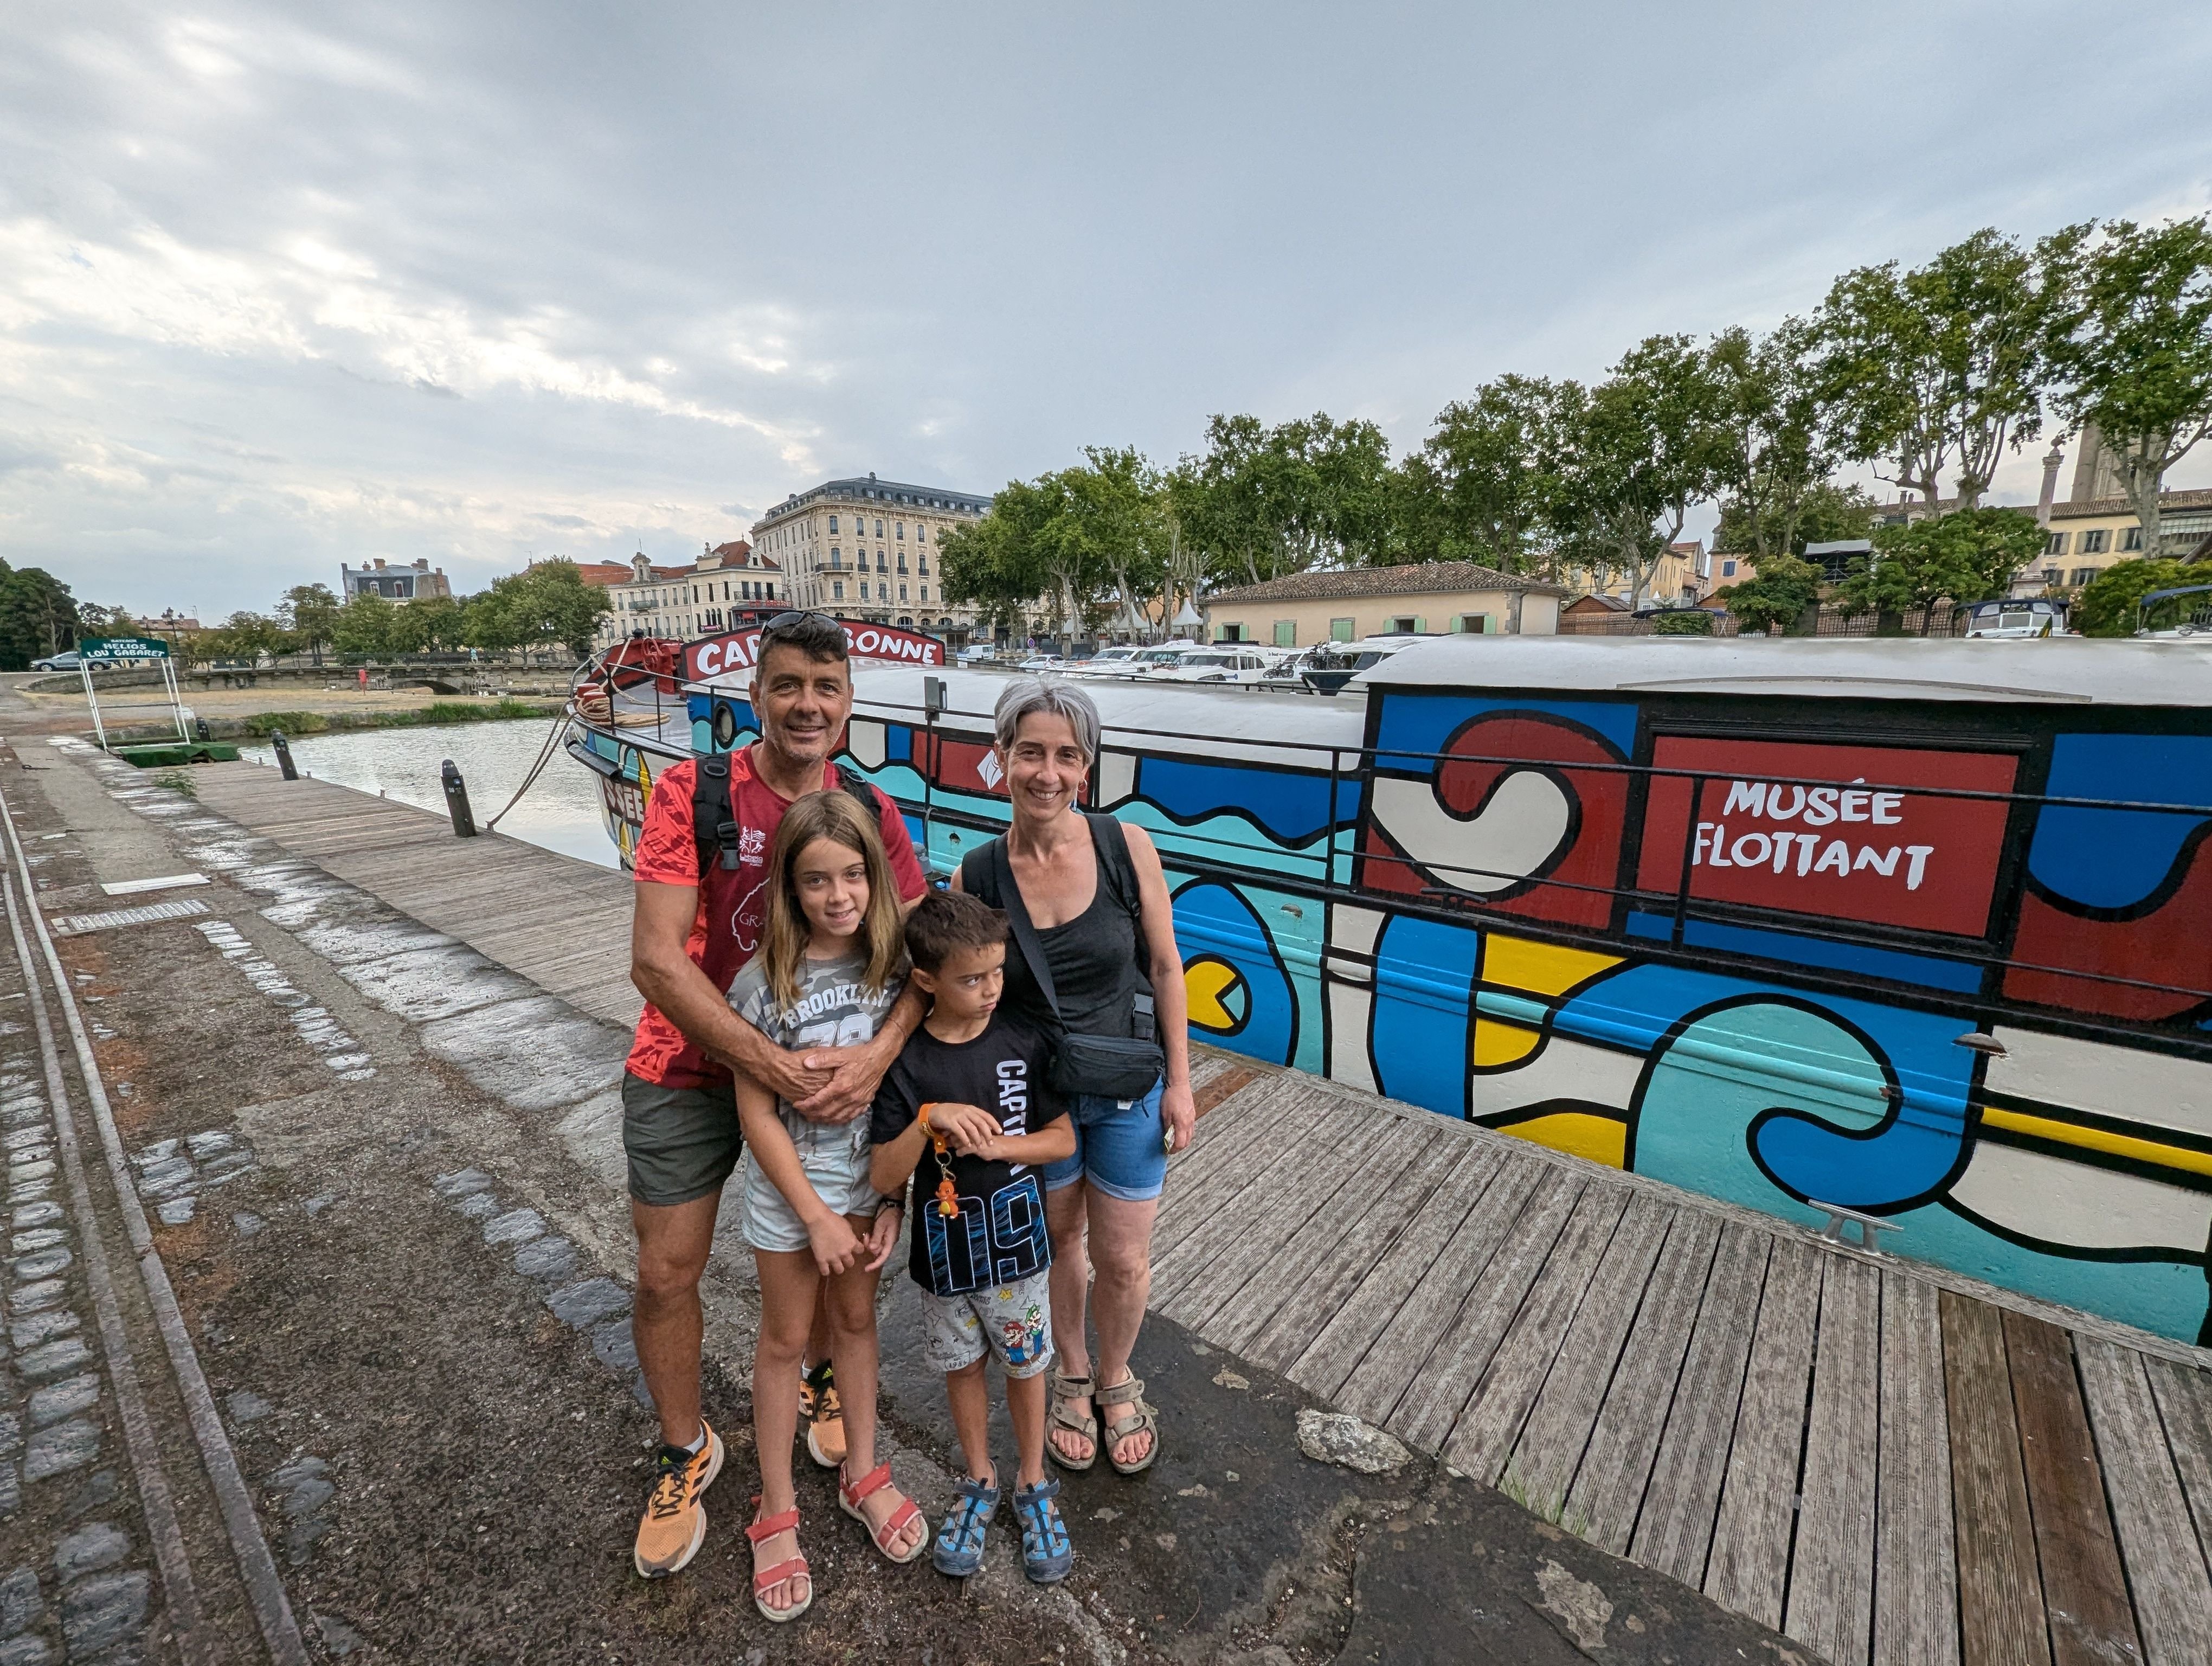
701	898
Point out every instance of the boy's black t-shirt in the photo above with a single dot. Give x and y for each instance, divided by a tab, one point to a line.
998	1235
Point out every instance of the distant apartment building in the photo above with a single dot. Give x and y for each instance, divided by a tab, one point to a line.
408	583
867	549
729	585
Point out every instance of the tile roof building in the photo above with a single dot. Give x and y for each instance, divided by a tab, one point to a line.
1344	603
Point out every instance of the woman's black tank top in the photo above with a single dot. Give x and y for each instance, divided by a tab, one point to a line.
1096	958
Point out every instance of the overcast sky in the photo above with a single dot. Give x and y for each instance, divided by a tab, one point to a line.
285	286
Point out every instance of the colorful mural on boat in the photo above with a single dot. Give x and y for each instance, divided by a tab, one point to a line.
1778	964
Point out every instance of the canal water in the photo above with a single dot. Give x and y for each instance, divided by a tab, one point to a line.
560	812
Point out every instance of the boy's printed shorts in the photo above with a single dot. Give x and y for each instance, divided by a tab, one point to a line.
1013	1321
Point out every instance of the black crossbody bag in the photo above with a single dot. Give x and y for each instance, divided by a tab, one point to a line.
1111	1067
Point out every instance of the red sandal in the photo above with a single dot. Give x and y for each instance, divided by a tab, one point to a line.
850	1497
792	1567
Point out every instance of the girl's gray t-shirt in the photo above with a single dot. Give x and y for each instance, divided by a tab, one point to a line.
834	1008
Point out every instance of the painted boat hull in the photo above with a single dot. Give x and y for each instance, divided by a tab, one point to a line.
1520	902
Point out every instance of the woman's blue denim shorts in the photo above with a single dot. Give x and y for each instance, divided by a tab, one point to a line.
1119	1148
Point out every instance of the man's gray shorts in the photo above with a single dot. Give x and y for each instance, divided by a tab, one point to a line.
682	1142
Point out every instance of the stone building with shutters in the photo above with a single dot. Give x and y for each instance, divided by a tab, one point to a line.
867	549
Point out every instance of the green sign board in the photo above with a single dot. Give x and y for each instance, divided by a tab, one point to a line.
101	649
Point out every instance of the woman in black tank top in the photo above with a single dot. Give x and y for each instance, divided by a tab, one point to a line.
1094	892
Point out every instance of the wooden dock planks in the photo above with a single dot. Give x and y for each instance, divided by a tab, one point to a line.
2085	1593
1915	1600
1615	1471
1313	1300
1831	1608
1674	1527
1486	1188
2166	1572
1541	1394
1427	1384
2000	1589
1749	1567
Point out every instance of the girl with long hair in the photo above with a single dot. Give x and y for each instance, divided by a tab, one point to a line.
830	966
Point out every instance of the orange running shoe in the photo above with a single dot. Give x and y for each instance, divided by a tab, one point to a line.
675	1521
825	1417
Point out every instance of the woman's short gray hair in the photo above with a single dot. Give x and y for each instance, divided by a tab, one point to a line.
1027	696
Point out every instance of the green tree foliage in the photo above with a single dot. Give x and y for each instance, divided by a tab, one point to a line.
547	602
1938	368
1683	622
1784	586
1087	540
1827	514
310	612
242	639
364	626
432	624
2130	343
1263	502
1969	556
37	616
2107	604
1774	449
1650	442
1485	486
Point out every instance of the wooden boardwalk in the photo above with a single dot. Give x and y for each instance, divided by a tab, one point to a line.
1863	1453
1888	1462
562	923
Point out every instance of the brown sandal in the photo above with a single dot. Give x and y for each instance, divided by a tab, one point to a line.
1142	1420
1068	1391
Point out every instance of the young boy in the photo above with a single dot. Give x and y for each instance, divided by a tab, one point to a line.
967	1102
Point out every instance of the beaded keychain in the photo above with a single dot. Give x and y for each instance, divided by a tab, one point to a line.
948	1194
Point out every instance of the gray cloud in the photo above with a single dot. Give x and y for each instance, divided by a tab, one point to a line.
282	286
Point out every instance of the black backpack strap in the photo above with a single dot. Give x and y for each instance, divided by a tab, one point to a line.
979	874
712	824
1119	867
868	796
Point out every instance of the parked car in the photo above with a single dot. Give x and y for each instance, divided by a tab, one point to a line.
1228	663
2016	619
67	660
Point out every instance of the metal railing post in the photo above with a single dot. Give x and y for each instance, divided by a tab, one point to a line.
1689	854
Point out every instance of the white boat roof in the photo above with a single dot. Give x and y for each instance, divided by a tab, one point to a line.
2071	670
1213	719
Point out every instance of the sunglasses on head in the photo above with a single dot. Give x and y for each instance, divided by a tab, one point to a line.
791	619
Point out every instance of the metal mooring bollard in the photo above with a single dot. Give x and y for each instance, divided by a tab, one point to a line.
283	754
199	726
457	800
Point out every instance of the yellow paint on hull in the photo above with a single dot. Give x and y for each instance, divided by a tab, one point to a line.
1600	1138
1205	981
1498	1042
1541	969
2116	1145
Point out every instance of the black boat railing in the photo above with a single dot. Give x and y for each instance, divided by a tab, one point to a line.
1451	890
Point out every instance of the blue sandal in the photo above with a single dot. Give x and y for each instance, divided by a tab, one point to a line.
959	1548
1046	1553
